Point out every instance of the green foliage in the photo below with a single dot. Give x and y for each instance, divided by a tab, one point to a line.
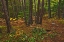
52	35
31	39
2	26
37	31
1	15
39	34
0	35
7	41
24	37
61	21
12	7
35	35
21	15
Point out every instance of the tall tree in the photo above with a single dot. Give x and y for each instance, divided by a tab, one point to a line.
59	8
19	5
42	12
35	6
30	11
49	9
38	12
35	12
12	9
7	18
0	30
63	10
16	9
6	3
63	13
24	7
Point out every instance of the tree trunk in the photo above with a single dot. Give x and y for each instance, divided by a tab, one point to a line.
16	9
6	3
7	18
59	9
0	30
49	9
24	7
63	12
38	13
42	12
19	5
30	12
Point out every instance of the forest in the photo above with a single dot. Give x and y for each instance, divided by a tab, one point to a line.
31	20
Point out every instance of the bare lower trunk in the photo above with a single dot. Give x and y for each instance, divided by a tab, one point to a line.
49	9
7	18
30	12
42	12
38	13
59	9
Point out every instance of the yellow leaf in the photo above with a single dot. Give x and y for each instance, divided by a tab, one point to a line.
14	19
11	18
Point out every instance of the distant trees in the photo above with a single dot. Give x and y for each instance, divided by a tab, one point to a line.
29	9
7	18
39	11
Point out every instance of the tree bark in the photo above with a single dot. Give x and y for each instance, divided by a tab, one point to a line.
7	18
59	9
38	12
49	9
24	7
30	12
42	12
6	3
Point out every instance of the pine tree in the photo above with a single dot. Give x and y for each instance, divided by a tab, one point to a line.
7	18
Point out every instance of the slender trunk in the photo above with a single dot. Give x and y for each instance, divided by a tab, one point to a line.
7	6
63	12
7	18
38	13
11	3
63	9
24	7
19	5
15	9
42	12
34	20
6	3
30	11
0	30
49	9
59	9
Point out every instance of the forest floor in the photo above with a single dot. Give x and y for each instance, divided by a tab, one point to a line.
52	24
